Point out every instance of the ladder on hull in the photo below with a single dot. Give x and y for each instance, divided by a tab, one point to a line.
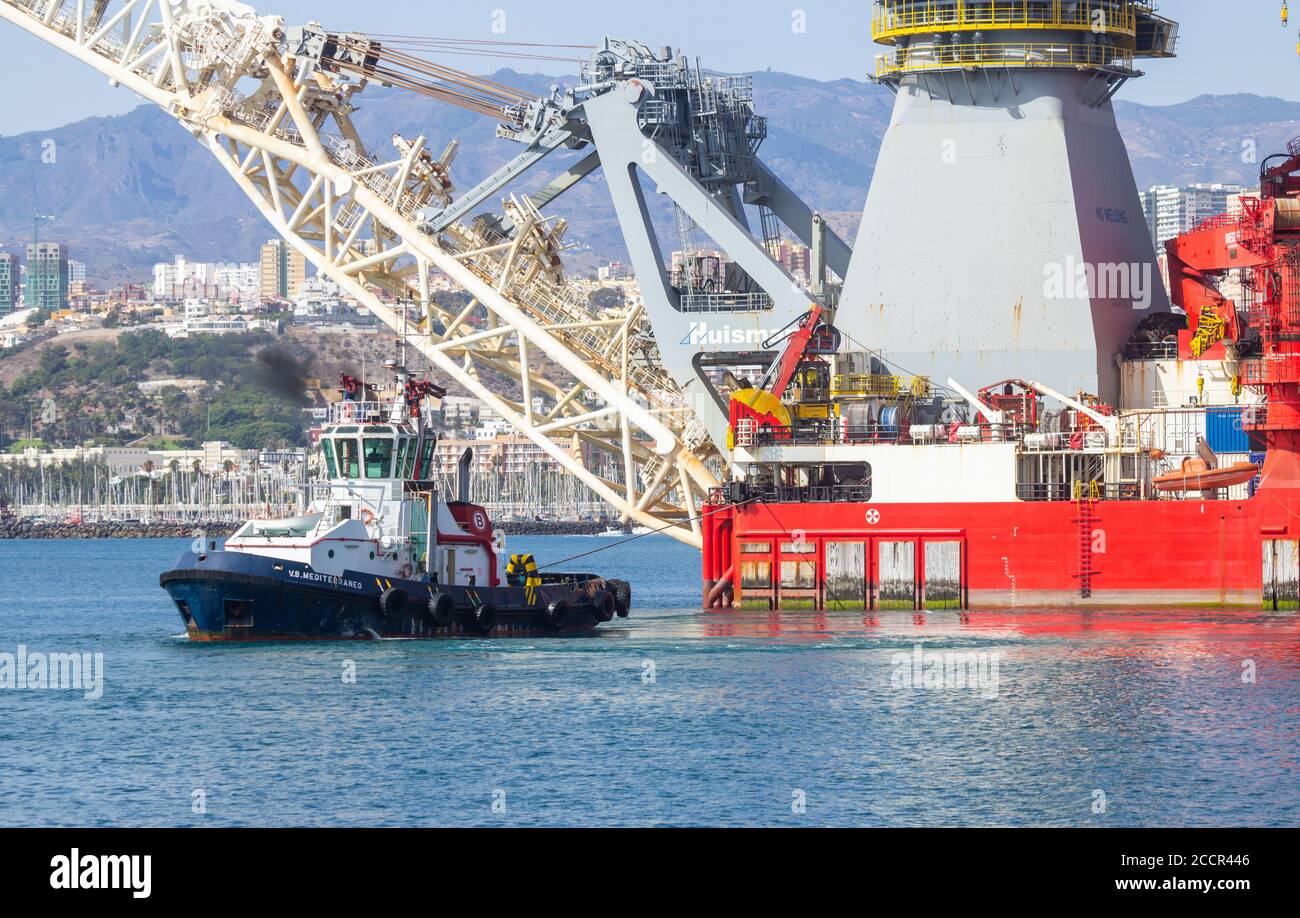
1086	497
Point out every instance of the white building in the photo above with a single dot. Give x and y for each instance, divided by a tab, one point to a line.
460	411
229	282
187	385
212	457
321	302
170	281
1174	209
121	460
218	325
240	283
615	270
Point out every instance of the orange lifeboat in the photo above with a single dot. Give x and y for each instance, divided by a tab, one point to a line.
1195	476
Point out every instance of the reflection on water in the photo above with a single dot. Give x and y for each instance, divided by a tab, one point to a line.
1053	717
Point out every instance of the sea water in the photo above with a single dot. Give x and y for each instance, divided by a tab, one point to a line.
670	717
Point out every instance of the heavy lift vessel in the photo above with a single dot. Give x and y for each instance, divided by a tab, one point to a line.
862	489
849	482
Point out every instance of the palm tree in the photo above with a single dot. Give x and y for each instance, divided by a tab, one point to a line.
147	468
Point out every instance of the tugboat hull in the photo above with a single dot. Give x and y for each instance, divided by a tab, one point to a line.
233	596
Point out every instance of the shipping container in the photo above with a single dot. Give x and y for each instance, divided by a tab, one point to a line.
1224	431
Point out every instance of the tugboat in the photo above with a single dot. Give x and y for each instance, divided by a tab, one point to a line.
378	554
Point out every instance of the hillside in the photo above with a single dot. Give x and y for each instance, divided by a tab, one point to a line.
256	385
132	190
76	391
1208	139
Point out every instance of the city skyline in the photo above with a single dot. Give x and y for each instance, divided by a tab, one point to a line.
825	40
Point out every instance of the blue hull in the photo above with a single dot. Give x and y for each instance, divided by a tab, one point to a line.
232	596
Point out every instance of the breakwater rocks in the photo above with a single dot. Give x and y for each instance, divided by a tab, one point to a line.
549	527
14	528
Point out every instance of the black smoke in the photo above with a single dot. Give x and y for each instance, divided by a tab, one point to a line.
279	371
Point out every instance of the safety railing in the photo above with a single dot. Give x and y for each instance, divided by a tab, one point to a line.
821	433
725	302
1273	368
1010	54
744	492
1165	349
837	431
876	385
1070	491
894	18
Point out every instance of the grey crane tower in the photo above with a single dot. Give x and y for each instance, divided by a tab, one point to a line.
1003	235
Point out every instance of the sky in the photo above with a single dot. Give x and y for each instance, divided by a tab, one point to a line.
1226	46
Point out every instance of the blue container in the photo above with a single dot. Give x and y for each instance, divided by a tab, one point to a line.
1253	485
1225	432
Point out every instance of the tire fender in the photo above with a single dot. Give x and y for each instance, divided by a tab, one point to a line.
606	606
392	601
442	610
556	614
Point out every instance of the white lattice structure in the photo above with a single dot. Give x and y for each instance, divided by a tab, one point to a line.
282	130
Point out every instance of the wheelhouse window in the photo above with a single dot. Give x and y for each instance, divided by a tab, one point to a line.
327	449
379	457
349	457
426	461
408	457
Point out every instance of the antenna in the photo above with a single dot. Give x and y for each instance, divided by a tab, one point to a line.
401	339
36	227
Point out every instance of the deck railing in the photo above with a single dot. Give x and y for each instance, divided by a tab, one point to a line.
971	55
894	18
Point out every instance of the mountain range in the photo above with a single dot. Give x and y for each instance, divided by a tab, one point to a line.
131	190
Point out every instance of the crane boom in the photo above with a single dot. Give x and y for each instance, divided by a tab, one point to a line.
792	353
273	104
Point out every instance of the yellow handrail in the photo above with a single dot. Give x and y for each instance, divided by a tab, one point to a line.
1009	54
894	18
878	385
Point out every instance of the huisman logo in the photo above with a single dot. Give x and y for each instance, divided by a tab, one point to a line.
701	333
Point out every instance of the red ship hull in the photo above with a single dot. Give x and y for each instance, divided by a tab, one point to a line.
1149	553
1004	555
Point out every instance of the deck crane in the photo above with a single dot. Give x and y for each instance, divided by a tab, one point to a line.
754	408
273	103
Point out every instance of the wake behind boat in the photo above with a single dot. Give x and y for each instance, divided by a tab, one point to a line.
378	553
